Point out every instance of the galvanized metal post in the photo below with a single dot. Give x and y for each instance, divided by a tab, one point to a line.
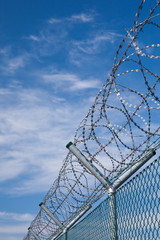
106	183
112	215
65	235
33	233
51	215
116	184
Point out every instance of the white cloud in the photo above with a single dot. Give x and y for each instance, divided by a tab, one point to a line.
16	216
94	49
10	169
76	18
82	18
59	35
11	237
15	63
54	20
13	229
35	128
34	38
14	225
95	44
70	81
81	85
10	64
5	51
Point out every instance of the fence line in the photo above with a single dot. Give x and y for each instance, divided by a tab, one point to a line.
119	126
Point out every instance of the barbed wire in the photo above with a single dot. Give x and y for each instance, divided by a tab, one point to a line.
120	125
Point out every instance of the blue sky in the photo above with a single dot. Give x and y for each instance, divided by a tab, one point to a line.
55	56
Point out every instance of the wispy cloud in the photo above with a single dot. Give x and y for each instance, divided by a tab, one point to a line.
11	237
77	18
84	18
15	63
56	35
61	37
20	229
93	48
11	64
5	51
54	20
34	38
11	168
14	225
49	41
50	34
35	128
16	216
13	229
96	44
36	123
70	81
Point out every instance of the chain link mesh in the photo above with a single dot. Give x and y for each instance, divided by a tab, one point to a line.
94	226
137	211
138	206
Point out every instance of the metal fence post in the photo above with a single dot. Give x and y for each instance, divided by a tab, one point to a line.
112	215
33	233
51	215
65	235
116	184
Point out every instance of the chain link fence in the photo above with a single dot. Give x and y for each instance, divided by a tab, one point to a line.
137	211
